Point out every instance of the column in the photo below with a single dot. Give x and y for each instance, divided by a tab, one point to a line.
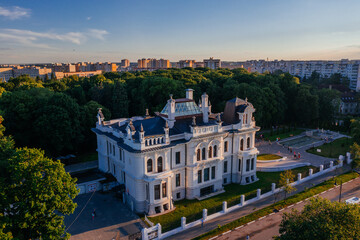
204	214
331	164
224	206
311	171
321	168
242	200
258	193
273	187
183	222
299	177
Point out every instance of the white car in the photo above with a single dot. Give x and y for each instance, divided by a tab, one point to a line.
353	200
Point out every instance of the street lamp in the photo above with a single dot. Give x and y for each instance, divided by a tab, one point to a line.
340	189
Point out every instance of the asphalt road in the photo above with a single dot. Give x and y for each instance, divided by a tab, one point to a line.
267	227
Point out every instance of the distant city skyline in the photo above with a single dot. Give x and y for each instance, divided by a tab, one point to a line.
233	30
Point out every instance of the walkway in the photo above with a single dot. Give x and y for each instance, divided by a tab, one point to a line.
266	228
246	210
274	148
79	167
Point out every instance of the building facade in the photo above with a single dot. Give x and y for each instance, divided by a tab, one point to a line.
185	151
212	63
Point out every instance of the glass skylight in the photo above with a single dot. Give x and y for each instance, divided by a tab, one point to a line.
183	109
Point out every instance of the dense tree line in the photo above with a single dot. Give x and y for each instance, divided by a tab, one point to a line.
57	115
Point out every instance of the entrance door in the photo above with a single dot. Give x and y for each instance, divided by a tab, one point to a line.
206	190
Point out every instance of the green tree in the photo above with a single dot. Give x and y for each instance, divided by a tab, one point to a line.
38	194
355	130
321	220
286	178
120	103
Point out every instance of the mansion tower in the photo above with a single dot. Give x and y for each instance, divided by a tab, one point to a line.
185	151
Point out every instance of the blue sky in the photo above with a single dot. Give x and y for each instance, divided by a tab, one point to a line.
93	30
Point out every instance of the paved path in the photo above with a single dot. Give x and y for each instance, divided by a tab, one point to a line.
266	228
274	148
113	220
246	210
79	167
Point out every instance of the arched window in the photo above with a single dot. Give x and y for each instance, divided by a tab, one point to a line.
248	142
160	164
215	151
149	165
210	152
198	155
246	118
242	145
203	157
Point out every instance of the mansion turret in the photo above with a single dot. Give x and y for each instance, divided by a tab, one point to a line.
185	151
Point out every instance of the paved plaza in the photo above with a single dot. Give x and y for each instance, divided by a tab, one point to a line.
274	148
113	219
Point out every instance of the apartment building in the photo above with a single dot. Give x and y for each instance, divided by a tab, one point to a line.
212	63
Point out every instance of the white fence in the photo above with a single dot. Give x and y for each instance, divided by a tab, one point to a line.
242	203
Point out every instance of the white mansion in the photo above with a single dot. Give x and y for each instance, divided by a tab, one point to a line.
185	151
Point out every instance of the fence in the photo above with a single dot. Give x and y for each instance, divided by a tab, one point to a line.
208	214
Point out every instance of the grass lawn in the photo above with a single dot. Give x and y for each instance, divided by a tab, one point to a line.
334	149
268	157
192	209
282	135
279	205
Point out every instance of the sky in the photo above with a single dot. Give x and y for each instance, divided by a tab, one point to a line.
232	30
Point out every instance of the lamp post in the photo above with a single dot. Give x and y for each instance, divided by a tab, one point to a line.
340	189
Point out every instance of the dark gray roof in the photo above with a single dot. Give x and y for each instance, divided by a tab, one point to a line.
232	107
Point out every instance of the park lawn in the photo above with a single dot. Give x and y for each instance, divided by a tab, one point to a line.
333	149
192	209
265	157
279	205
283	135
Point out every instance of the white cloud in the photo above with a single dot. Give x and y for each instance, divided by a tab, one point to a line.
14	12
35	39
88	18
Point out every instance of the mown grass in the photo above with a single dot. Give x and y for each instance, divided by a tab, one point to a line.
333	149
272	136
265	157
279	205
192	209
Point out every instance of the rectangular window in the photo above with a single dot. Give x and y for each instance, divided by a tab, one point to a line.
225	166
114	169
247	165
157	192
239	165
107	147
206	174
178	180
114	150
226	145
177	158
164	190
199	176
120	154
213	172
252	164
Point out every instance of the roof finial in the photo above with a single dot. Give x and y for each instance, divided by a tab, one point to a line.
147	112
218	117
194	121
171	96
141	128
166	124
246	99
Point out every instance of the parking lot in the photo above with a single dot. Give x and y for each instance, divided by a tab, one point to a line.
113	220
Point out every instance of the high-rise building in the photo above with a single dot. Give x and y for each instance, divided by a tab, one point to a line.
152	63
125	63
212	63
186	63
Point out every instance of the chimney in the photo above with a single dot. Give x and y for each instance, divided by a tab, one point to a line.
205	107
189	93
171	112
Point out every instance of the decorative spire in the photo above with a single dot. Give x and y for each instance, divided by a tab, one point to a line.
246	100
147	112
218	117
166	124
194	121
141	128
